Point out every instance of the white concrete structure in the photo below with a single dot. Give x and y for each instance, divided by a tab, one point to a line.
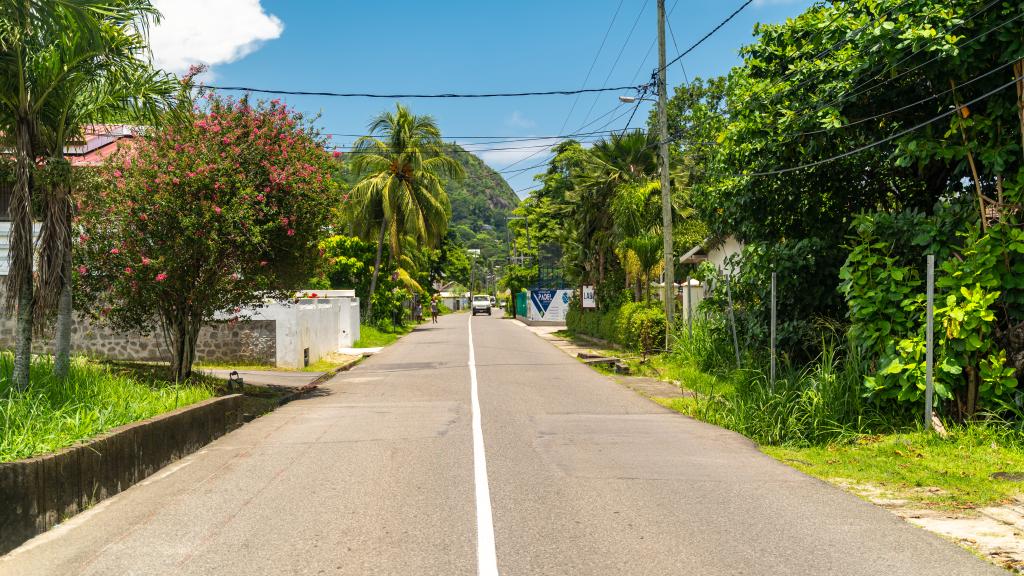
5	234
310	328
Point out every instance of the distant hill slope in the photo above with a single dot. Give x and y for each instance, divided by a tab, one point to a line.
483	199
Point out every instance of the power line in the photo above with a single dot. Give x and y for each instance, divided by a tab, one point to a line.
444	95
899	134
619	57
908	106
518	171
654	43
857	89
538	152
592	64
682	66
500	138
704	38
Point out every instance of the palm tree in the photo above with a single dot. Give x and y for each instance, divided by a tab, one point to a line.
101	82
30	69
637	226
403	167
610	164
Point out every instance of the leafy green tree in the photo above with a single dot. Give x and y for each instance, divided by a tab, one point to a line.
837	78
403	167
206	215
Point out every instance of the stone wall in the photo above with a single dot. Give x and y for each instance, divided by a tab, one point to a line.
248	342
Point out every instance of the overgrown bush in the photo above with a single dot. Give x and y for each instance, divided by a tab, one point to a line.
978	305
708	347
636	326
818	403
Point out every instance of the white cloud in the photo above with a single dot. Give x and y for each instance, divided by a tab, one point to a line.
209	32
518	120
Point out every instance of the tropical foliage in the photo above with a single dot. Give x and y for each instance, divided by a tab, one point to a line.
210	214
400	196
63	63
853	141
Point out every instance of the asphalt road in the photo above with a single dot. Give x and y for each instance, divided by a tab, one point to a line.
379	473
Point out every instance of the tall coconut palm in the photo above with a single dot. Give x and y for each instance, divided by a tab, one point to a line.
29	72
403	168
611	163
101	82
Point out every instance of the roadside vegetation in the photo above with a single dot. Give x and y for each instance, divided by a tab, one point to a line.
851	143
55	413
376	336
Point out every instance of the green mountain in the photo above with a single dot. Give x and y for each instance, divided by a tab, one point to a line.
480	203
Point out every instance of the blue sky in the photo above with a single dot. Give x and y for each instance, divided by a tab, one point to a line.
455	46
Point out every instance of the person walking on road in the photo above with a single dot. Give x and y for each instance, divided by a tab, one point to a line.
433	310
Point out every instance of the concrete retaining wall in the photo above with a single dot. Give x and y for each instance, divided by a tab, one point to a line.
37	493
245	342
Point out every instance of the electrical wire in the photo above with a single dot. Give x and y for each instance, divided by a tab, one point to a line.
592	64
622	50
859	89
704	38
499	138
682	66
899	134
907	106
653	44
538	152
443	95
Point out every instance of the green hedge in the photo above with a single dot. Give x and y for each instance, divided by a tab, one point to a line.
634	325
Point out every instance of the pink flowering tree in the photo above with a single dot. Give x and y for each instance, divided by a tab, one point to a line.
203	218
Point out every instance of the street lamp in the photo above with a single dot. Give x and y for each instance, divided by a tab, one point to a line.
631	99
523	218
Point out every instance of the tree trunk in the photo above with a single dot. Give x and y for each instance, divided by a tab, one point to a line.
62	347
182	334
376	270
19	279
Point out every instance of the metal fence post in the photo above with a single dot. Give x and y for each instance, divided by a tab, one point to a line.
929	370
732	319
772	372
689	308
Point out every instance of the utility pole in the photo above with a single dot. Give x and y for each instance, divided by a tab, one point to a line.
666	196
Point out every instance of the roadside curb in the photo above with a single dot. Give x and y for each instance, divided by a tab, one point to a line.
300	392
38	493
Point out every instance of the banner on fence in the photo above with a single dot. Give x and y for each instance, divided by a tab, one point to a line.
549	305
589	299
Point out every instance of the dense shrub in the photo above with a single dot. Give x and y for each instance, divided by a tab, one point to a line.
636	326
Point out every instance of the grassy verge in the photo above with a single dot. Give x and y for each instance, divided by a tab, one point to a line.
326	364
373	337
918	467
53	414
816	419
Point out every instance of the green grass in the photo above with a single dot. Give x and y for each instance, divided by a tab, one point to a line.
373	337
53	414
325	364
816	419
920	467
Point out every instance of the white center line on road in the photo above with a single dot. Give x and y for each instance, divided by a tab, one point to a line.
486	558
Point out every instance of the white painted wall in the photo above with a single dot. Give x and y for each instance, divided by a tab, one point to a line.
322	324
5	234
718	255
